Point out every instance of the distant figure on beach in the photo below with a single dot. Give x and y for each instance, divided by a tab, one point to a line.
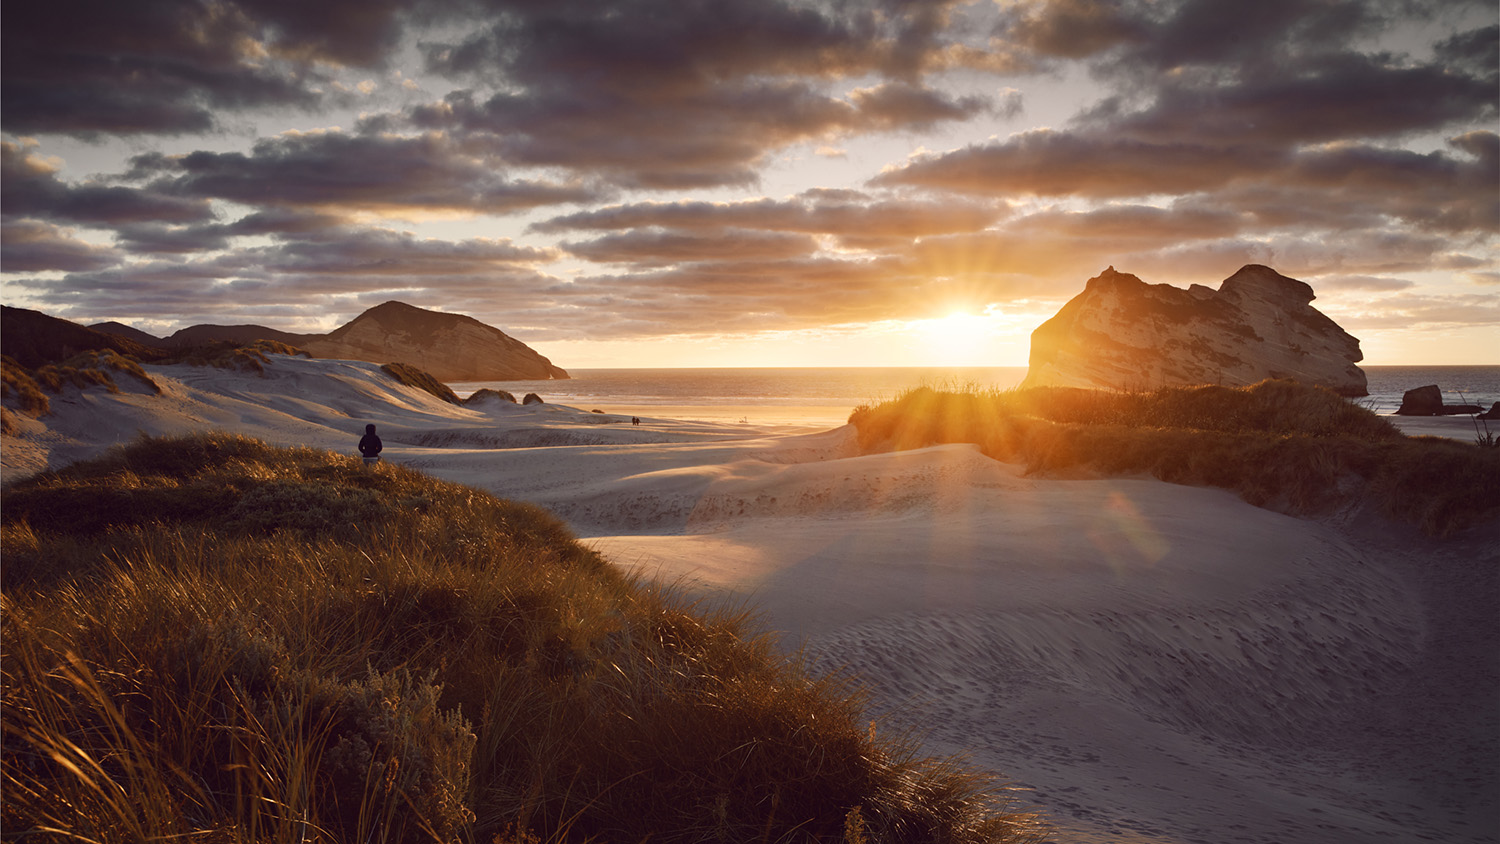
370	445
635	420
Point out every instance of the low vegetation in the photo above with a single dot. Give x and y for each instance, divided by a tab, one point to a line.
92	368
226	354
1278	444
16	382
485	393
422	380
207	638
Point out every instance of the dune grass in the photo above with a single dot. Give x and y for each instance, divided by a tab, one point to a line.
16	383
485	393
207	638
92	368
1278	444
421	379
228	354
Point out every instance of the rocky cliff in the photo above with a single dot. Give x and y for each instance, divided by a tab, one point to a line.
452	347
1121	333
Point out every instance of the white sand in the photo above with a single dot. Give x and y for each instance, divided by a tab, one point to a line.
1151	663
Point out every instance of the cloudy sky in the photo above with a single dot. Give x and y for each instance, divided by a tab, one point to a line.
750	182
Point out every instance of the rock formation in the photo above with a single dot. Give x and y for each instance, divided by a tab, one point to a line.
1121	333
451	347
1428	401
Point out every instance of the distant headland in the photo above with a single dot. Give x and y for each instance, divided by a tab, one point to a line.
452	347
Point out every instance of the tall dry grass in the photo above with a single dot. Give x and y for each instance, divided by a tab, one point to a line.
207	638
421	379
1278	444
228	354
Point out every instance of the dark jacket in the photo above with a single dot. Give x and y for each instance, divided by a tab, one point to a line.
370	445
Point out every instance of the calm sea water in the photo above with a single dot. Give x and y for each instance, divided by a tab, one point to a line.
852	386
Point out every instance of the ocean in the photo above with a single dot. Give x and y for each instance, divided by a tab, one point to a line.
823	396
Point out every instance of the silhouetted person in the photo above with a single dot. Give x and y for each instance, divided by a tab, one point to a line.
370	445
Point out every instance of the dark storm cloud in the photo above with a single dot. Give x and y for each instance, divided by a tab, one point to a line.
289	223
91	67
1416	311
32	189
1341	185
1273	73
383	252
714	137
814	212
647	247
1348	96
159	238
34	246
1373	283
1227	133
338	171
1122	223
1046	162
332	274
657	94
1075	29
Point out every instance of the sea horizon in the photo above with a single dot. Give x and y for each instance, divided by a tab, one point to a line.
812	395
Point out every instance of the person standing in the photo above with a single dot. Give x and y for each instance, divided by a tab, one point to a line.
370	445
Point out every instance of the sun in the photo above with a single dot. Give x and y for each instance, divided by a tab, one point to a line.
959	339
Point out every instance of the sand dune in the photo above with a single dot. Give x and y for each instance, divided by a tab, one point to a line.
1152	663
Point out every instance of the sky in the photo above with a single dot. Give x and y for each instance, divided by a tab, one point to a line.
750	182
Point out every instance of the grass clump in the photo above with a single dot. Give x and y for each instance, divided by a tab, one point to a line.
1278	444
16	383
210	637
484	393
413	377
227	354
92	368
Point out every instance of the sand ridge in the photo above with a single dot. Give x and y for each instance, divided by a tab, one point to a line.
1146	662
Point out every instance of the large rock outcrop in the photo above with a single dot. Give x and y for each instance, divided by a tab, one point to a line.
1121	333
451	347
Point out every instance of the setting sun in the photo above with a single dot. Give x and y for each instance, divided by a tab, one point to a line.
959	339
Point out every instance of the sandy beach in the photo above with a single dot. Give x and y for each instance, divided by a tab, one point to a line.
1144	662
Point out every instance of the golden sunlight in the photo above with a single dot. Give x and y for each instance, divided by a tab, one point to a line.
959	339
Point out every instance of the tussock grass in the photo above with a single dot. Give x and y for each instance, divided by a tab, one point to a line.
1278	444
486	393
414	377
93	368
16	382
532	398
207	637
227	354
